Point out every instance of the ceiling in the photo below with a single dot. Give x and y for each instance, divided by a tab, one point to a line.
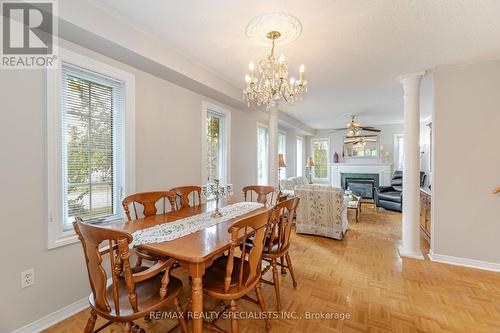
353	50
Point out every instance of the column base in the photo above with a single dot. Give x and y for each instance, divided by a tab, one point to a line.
410	254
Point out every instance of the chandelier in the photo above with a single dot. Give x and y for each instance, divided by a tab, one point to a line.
271	84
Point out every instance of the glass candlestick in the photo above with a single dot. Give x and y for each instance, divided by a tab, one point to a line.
214	190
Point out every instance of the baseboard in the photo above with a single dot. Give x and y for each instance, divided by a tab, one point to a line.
471	263
55	317
407	254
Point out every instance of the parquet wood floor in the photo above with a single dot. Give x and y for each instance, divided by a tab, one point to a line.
364	277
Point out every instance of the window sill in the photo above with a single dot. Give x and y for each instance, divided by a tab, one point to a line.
65	238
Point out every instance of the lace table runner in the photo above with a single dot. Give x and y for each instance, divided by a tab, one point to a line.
172	230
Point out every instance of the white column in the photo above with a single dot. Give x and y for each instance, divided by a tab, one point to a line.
273	147
411	171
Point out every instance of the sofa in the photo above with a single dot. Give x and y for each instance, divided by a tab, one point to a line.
322	211
391	197
288	185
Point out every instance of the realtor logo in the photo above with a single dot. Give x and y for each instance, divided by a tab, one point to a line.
28	35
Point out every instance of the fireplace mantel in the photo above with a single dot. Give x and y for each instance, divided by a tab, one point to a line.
384	170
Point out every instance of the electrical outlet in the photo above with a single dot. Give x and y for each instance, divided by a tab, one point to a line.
27	278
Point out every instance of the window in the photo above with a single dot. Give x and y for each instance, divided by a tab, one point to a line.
320	156
216	147
89	157
282	150
399	151
262	155
216	123
300	157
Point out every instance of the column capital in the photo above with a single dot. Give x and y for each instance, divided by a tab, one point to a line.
412	77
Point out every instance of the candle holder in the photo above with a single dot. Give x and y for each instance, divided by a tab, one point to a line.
213	189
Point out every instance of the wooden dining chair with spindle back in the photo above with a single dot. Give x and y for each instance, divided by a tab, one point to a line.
130	293
148	201
184	193
277	243
231	278
263	194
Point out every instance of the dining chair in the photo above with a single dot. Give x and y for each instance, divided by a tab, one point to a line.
264	194
277	243
129	294
183	194
148	201
231	278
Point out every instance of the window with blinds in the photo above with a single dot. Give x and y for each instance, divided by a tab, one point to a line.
92	139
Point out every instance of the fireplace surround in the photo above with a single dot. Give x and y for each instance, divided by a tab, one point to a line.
361	184
383	170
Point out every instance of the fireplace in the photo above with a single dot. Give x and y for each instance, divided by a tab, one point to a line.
361	184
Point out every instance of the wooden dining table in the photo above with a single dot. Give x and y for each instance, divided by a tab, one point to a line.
195	252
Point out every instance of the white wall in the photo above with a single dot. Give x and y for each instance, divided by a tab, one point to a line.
466	215
168	153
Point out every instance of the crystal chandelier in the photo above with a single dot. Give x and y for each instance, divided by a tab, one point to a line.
270	84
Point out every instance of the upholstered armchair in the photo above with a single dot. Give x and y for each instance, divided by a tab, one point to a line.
391	197
322	211
288	185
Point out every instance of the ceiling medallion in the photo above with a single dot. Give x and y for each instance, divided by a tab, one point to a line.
268	83
289	27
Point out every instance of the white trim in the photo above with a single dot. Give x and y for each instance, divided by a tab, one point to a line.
327	179
205	107
56	236
403	253
55	317
466	262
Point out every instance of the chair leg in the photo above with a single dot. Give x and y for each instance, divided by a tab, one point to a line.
234	320
137	329
180	313
91	322
262	303
282	261
276	283
127	327
290	268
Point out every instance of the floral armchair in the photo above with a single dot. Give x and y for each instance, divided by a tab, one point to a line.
322	211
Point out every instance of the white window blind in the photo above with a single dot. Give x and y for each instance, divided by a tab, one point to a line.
262	155
92	145
400	152
300	157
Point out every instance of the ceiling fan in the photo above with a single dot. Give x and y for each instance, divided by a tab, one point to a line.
353	128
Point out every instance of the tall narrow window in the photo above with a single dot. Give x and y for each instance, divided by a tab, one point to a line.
399	151
320	155
300	157
216	146
282	150
92	145
262	155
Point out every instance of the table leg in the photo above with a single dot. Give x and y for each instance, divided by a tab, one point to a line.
196	271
